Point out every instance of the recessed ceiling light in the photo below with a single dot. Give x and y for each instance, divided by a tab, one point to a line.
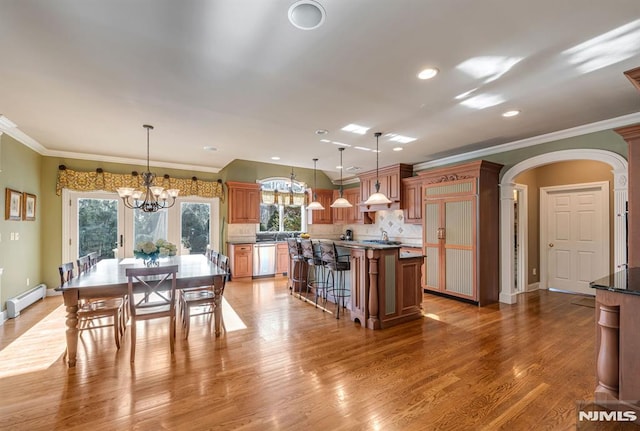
210	148
306	14
322	132
340	143
325	140
362	148
428	73
510	113
275	158
338	167
398	149
355	128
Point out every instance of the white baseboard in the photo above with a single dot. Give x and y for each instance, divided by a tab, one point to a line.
53	292
3	317
508	298
533	286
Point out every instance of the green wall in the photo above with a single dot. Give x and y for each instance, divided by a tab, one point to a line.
21	259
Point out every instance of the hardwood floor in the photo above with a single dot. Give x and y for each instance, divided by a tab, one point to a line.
293	367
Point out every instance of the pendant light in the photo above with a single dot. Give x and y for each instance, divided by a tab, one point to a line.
341	202
377	198
151	198
315	205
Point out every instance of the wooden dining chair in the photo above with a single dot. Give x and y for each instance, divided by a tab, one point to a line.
152	294
93	258
90	312
83	264
201	300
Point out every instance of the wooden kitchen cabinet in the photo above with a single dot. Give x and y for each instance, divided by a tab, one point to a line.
241	260
325	197
412	199
390	179
244	202
282	258
461	231
351	215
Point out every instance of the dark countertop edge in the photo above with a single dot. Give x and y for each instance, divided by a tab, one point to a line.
626	281
614	289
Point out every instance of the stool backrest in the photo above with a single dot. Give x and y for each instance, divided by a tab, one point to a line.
294	247
307	249
328	252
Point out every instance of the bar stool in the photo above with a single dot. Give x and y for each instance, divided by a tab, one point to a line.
337	266
297	265
315	281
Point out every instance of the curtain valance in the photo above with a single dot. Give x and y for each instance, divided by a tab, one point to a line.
283	198
110	182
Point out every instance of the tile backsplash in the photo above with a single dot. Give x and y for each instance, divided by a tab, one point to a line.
393	223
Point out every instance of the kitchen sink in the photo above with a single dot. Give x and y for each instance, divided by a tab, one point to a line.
381	241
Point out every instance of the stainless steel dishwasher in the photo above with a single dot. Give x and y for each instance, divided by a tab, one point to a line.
264	259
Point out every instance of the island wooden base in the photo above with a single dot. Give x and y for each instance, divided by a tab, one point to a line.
385	289
617	350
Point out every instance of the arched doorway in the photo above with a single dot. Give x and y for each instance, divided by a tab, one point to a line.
619	165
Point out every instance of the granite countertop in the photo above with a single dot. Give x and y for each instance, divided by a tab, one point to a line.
626	281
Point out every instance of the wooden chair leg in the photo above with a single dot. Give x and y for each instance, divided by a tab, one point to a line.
133	340
172	334
116	327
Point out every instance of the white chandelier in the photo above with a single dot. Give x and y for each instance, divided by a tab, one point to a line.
151	198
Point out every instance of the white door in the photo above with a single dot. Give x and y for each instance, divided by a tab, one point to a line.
575	239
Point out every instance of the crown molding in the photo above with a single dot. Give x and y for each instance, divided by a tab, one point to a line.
128	161
28	141
599	126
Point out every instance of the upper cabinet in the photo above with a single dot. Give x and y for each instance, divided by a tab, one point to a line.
325	197
390	179
412	199
244	202
351	215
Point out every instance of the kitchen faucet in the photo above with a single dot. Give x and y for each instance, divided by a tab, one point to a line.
385	237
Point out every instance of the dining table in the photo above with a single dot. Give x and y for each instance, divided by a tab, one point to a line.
107	279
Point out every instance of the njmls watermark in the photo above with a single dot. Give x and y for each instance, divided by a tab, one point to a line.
611	413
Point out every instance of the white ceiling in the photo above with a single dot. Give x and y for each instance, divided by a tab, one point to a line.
83	76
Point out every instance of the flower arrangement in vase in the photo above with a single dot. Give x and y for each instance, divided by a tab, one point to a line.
151	252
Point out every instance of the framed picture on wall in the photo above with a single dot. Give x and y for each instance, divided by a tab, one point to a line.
28	207
12	205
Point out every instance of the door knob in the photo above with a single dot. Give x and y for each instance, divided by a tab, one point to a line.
550	244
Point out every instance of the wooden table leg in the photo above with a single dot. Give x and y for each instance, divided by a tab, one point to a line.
71	304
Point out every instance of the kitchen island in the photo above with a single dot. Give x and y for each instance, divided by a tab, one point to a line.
617	341
384	281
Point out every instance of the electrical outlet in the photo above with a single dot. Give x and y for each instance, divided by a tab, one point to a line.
534	271
13	236
17	236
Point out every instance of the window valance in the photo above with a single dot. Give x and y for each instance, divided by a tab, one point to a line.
107	181
283	198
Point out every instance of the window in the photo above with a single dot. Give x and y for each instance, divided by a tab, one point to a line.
98	221
283	206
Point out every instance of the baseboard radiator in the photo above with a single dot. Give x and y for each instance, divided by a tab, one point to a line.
16	304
